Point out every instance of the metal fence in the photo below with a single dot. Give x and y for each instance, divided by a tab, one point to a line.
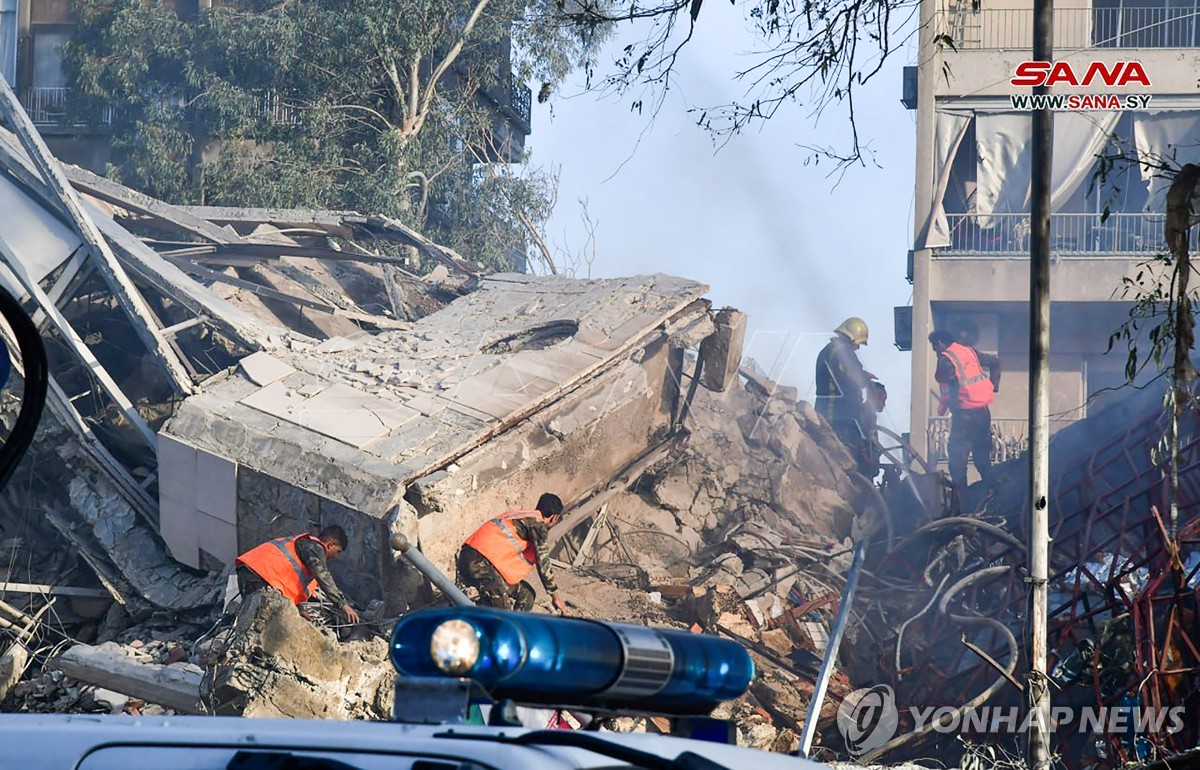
47	106
1071	235
1010	437
1074	28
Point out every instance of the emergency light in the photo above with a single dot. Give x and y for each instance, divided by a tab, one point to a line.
539	659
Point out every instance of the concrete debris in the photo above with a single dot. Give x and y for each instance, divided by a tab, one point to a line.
175	686
273	662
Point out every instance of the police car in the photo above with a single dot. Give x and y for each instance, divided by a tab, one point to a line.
453	665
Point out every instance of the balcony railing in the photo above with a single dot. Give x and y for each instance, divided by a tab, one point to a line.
1071	235
47	106
1074	28
1010	437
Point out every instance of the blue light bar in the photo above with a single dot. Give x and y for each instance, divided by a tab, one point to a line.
539	659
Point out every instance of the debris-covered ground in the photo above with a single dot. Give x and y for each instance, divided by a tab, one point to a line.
774	492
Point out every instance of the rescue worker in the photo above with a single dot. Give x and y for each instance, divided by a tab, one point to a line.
296	565
840	382
969	381
868	462
501	553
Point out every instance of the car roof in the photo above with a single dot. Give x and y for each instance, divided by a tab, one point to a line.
63	740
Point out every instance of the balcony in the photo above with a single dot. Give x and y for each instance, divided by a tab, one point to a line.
1071	235
1074	28
1010	438
47	106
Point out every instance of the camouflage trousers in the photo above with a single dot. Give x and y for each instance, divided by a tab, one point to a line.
475	570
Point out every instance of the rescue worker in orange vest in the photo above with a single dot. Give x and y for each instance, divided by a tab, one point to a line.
969	381
296	565
501	553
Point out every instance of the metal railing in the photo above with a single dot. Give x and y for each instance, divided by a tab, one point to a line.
1074	28
275	109
1071	235
1010	437
47	106
520	100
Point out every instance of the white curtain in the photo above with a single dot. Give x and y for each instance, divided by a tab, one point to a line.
950	130
1164	137
1004	169
1002	175
1079	137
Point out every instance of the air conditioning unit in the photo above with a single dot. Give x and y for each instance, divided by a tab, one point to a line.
902	317
908	95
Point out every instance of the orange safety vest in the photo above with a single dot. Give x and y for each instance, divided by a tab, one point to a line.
498	542
974	387
278	564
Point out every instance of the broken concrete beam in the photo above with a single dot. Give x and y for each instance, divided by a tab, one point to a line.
721	353
107	665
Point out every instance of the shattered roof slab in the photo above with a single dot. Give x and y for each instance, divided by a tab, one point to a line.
355	420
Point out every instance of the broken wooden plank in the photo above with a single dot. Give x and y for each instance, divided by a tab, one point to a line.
143	320
107	665
40	588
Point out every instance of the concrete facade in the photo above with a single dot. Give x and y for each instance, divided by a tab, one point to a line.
990	290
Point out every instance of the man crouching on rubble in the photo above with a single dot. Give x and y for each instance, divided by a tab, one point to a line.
501	553
294	566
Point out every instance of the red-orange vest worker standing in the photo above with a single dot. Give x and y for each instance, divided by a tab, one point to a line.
498	542
278	564
975	389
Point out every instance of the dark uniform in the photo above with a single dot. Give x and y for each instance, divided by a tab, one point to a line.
840	382
475	569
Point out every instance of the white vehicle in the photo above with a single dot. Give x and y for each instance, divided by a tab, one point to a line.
449	663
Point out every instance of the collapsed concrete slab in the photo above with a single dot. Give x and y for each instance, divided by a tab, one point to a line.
526	385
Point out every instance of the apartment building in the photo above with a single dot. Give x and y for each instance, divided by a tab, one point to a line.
969	263
32	34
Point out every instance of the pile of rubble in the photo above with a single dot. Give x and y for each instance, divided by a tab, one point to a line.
220	376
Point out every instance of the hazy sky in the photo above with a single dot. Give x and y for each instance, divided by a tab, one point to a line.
795	249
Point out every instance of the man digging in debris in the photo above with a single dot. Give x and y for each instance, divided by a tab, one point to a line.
502	552
294	566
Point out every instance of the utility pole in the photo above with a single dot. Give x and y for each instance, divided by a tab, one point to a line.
1037	692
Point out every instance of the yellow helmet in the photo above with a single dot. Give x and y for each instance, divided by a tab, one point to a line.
855	328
